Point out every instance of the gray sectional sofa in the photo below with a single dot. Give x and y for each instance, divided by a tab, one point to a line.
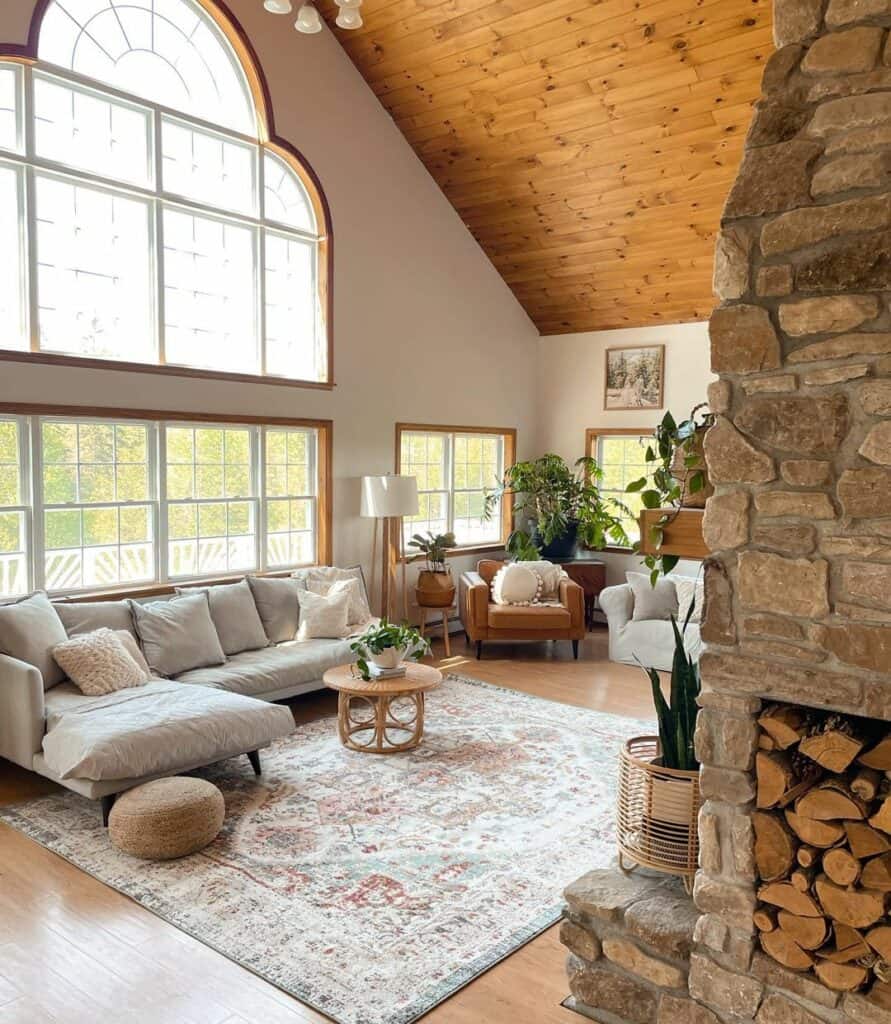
101	745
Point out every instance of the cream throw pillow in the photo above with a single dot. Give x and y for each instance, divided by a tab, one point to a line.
516	584
132	648
321	579
98	663
550	577
659	602
324	616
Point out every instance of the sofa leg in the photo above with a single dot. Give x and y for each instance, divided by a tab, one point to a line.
254	758
479	649
575	649
107	803
466	638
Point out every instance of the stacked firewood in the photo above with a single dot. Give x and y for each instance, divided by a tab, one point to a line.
823	846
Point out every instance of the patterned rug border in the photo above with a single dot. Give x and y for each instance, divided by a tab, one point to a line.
10	816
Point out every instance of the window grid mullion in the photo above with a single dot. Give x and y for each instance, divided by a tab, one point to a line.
259	484
37	498
28	222
158	478
450	476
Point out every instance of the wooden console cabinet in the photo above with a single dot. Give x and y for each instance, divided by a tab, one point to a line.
590	574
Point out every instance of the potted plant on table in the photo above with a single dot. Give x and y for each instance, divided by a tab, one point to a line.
386	646
435	587
659	796
676	478
563	504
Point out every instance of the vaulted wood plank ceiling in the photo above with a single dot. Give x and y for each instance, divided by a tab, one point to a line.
588	144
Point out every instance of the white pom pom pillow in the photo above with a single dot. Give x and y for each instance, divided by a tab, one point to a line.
516	584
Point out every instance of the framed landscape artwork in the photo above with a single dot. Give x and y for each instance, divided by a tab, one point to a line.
635	377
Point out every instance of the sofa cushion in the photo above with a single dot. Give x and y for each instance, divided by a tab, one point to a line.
326	616
320	579
131	646
98	663
278	605
234	615
516	584
29	630
88	616
505	616
274	669
659	602
154	729
177	635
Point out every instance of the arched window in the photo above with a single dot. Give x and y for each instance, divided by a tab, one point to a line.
155	225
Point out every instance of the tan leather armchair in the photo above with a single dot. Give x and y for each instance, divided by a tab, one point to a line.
484	620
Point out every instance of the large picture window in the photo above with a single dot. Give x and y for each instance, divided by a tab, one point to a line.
621	454
103	502
144	220
455	467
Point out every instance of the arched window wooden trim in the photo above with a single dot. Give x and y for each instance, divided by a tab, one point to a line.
267	137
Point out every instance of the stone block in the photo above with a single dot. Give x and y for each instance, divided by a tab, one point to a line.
720	396
776	178
728	785
731	275
865	493
677	1010
861	140
607	892
867	647
836	374
743	340
725	990
777	649
875	397
850	264
877	444
865	1009
806	472
848	52
725	523
774	975
779	1009
602	987
742	846
833	314
732	459
814	687
811	225
843	12
726	741
867	580
632	958
788	586
861	546
789	540
860	170
796	423
772	626
581	941
795	21
781	384
664	919
717	625
842	348
775	121
803	504
843	115
832	87
774	280
712	932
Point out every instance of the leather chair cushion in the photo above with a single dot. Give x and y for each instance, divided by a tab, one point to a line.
505	616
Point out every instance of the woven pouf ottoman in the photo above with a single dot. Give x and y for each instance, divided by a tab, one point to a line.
167	818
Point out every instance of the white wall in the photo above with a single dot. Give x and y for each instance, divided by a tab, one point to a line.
571	387
424	327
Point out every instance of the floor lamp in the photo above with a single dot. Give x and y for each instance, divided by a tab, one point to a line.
389	498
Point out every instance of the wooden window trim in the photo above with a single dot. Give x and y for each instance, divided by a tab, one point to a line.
592	435
509	436
324	458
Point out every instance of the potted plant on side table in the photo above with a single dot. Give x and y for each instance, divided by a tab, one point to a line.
435	587
658	809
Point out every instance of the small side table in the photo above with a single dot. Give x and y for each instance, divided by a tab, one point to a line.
445	625
383	726
590	574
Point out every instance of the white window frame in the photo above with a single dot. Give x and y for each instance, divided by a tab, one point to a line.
506	443
26	158
31	475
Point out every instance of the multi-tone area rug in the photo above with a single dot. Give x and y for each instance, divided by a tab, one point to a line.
373	887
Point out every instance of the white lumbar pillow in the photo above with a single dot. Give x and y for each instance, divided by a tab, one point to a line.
516	584
324	616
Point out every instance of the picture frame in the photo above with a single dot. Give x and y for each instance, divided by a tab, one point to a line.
634	378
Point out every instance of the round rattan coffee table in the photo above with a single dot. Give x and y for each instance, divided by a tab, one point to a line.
382	716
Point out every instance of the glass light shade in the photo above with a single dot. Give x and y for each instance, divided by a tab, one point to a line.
384	496
349	4
308	20
278	6
349	17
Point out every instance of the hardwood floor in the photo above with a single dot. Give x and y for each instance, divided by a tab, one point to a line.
73	951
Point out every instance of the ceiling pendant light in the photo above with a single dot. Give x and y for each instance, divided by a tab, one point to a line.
348	17
277	6
308	20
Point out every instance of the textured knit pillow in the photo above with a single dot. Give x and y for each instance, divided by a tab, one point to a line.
688	589
324	616
659	602
320	579
515	584
98	663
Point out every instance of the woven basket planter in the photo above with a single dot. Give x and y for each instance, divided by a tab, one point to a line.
658	809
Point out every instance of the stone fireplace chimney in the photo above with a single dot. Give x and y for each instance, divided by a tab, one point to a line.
798	591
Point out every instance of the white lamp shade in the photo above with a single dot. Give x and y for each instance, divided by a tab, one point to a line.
277	6
308	20
349	17
384	496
